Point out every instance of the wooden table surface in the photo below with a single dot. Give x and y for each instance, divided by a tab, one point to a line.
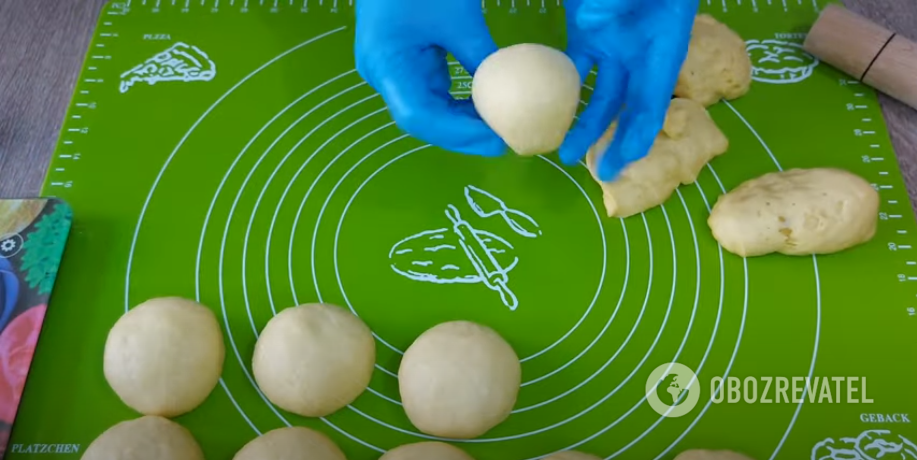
42	44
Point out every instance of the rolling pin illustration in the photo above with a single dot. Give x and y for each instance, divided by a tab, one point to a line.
488	269
486	205
866	51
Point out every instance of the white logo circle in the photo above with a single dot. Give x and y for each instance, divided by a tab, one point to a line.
680	387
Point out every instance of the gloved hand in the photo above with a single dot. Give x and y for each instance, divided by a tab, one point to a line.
400	50
639	46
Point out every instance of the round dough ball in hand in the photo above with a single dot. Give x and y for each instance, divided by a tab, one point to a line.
458	380
426	451
164	356
147	438
314	359
528	94
291	443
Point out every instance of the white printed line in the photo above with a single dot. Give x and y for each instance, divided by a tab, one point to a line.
874	146
912	278
84	91
904	246
894	216
858	95
68	142
911	262
886	187
902	232
76	117
892	201
883	173
73	130
877	159
861	107
869	132
65	156
59	169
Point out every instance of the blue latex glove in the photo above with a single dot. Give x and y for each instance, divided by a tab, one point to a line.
639	47
400	50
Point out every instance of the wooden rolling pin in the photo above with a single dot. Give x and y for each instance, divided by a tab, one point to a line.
866	51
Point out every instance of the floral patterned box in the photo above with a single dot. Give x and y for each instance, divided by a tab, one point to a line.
33	234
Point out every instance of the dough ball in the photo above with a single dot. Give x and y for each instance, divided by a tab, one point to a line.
572	455
717	66
458	380
147	438
291	443
689	140
528	94
796	212
426	451
164	356
314	359
704	454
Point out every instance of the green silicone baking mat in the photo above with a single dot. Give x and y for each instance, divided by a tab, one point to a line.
227	151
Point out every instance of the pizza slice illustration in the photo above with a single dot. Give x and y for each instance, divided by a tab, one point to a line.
779	61
181	62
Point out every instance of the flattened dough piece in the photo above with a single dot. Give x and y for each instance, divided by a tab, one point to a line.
291	443
688	140
164	356
796	212
573	455
314	359
706	454
717	66
458	380
426	451
147	438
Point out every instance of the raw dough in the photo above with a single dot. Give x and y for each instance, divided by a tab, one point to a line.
572	455
164	356
147	438
689	139
705	454
528	94
796	212
717	66
426	451
458	380
314	359
291	443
